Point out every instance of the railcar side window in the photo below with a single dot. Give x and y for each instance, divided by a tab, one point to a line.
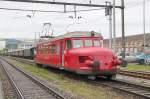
68	43
97	43
88	43
58	49
77	43
53	49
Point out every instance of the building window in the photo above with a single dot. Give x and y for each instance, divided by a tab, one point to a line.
127	49
135	50
131	49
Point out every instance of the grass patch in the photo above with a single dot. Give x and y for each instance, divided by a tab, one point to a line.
135	67
0	75
78	88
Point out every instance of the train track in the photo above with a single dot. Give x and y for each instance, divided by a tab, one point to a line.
138	90
138	74
27	61
7	86
27	86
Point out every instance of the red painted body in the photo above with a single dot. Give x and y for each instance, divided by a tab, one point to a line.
89	58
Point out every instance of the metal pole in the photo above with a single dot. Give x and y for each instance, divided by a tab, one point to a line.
114	26
108	12
75	13
123	29
42	30
110	28
35	39
144	37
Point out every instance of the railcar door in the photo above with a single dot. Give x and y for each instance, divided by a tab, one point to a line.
62	54
57	54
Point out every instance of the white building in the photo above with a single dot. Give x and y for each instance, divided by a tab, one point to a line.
2	44
25	44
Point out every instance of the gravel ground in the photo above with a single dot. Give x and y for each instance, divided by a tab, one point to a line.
7	90
69	86
1	92
134	80
25	85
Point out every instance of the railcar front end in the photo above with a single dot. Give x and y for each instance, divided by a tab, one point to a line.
87	56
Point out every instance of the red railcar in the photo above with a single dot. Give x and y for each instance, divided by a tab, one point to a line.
80	52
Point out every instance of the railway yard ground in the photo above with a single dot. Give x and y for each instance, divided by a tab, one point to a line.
77	88
74	49
140	81
1	89
137	67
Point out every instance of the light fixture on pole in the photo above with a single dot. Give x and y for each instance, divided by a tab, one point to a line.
108	12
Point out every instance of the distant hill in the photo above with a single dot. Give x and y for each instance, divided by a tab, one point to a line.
15	40
12	40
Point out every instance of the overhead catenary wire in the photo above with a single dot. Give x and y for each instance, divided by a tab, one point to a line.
28	10
60	3
49	11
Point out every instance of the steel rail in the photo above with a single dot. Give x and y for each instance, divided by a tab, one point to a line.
47	88
19	94
138	74
23	60
138	90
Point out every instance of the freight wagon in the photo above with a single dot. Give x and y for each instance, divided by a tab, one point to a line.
23	53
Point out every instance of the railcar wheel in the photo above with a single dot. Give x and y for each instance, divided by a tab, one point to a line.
111	77
92	77
39	65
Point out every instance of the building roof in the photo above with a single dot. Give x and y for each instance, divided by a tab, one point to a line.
138	37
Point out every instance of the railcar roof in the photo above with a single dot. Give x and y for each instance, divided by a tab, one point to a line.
74	34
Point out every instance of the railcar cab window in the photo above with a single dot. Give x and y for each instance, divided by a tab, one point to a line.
88	43
77	43
97	43
68	44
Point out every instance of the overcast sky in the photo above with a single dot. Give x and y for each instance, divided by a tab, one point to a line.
15	24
